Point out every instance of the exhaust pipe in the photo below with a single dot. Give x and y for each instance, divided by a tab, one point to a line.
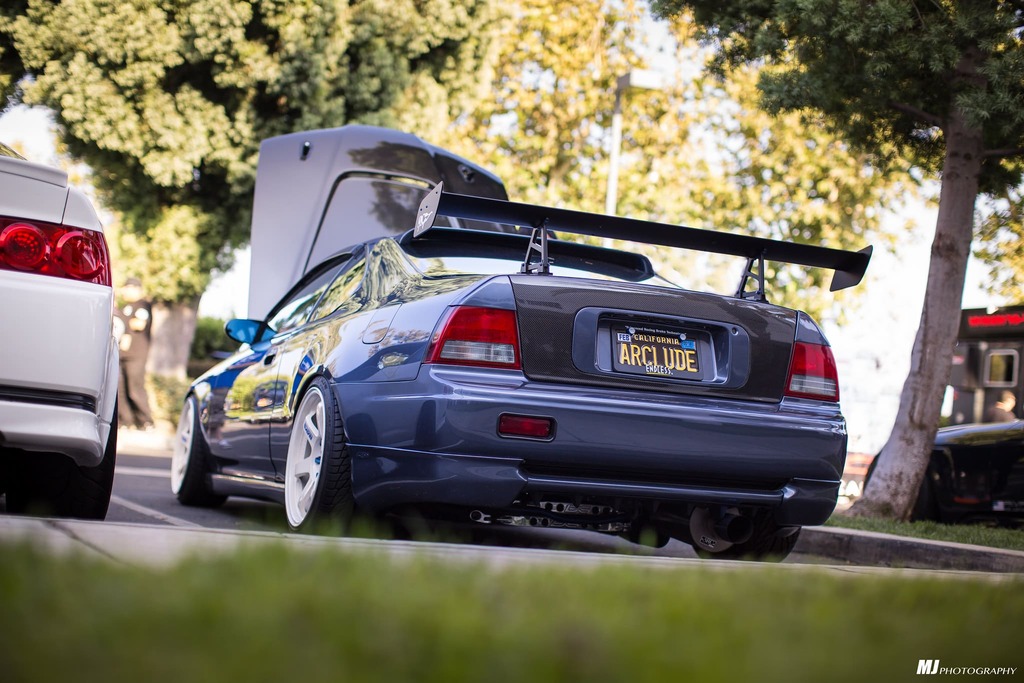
719	529
734	528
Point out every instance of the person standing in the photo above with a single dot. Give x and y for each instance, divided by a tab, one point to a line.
136	314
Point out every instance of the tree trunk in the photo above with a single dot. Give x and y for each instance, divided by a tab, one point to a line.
893	487
174	325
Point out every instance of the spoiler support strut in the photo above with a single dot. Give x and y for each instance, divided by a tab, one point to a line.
849	266
748	275
539	244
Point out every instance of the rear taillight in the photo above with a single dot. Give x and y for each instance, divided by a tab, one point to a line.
812	374
55	250
470	335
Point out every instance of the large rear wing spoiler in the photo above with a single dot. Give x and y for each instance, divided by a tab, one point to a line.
849	266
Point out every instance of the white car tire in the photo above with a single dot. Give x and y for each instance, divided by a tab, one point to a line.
318	472
190	461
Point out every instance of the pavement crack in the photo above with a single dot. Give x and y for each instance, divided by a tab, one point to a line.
70	533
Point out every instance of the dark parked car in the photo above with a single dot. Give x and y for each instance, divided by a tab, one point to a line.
518	379
976	473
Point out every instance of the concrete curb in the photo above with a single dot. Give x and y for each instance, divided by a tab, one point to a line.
884	550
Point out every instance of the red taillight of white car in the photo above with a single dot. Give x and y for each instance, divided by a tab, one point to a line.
55	250
472	335
812	374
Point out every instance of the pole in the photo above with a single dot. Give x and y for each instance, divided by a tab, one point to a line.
611	198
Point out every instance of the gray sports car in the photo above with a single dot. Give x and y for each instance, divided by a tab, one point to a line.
510	378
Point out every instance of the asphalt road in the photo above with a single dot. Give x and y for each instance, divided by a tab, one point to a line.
142	495
142	504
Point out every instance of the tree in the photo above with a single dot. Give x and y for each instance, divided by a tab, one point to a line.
10	63
942	81
697	151
167	102
1001	245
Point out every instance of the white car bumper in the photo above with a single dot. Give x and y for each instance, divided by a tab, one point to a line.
77	433
58	365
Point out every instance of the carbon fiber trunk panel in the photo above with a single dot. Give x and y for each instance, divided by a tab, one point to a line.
549	309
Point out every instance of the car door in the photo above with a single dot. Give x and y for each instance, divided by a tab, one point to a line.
335	317
249	404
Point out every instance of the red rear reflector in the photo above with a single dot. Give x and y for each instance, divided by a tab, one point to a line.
470	335
54	250
525	426
812	374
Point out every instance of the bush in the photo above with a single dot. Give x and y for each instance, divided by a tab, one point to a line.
166	396
209	338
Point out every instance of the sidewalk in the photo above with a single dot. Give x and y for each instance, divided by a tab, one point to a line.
162	546
138	442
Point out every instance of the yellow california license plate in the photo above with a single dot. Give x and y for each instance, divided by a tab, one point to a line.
655	352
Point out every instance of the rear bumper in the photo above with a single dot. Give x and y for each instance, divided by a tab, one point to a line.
57	335
58	369
75	432
435	441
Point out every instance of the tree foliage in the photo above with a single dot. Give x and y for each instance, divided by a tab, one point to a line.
698	151
11	67
1001	244
167	101
940	81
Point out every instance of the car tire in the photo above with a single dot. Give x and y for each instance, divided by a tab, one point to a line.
51	484
767	543
190	461
318	471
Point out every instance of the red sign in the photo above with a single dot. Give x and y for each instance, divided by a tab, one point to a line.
996	320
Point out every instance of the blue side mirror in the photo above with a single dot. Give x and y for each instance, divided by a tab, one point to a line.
243	331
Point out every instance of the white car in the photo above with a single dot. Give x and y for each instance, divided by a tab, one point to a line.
58	356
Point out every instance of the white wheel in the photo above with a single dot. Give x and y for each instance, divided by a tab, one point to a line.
190	460
317	473
182	452
305	458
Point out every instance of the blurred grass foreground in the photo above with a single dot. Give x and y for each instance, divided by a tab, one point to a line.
272	614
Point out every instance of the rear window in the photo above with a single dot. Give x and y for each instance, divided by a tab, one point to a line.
452	253
449	266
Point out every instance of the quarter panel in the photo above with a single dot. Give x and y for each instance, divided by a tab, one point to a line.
28	197
80	213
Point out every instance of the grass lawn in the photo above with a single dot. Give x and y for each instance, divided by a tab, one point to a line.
300	617
974	534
